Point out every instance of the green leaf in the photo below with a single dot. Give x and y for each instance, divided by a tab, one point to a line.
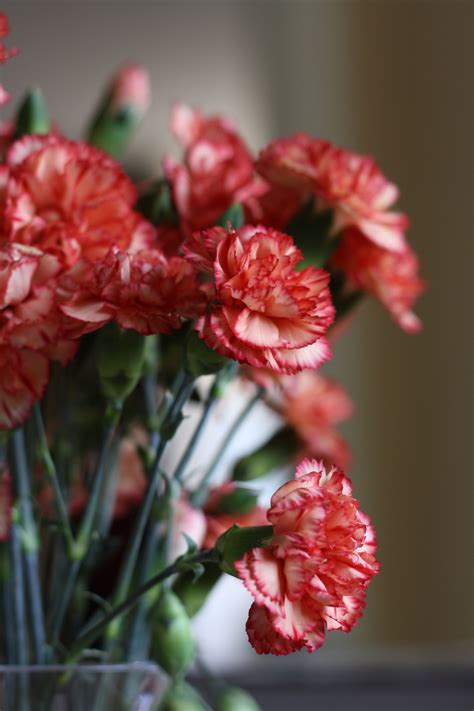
32	115
234	215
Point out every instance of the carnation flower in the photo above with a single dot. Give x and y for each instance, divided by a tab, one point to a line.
350	184
265	312
217	169
311	405
130	89
313	573
391	277
5	55
143	291
32	329
69	199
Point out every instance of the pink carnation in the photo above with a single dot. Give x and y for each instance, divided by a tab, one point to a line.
265	312
313	574
32	329
350	184
217	169
69	199
143	291
130	89
391	277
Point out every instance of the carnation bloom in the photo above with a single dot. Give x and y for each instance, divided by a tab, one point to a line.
311	405
265	313
32	329
313	574
69	199
143	291
217	170
218	521
130	89
391	277
188	521
350	184
5	55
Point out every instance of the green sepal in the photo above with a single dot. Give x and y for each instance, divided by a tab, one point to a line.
234	215
120	360
32	116
278	451
231	698
311	232
234	543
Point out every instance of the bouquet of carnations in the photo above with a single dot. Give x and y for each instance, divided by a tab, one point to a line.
226	279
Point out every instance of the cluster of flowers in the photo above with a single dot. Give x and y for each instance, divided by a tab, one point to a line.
5	55
76	254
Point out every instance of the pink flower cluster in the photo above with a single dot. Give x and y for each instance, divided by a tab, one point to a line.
5	55
313	574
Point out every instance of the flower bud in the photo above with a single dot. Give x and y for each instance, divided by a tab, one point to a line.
278	451
120	361
182	697
234	543
232	698
124	105
172	644
32	115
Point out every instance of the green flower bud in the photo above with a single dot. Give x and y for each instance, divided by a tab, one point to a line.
125	103
239	501
233	699
278	451
200	359
32	115
234	543
120	360
172	644
182	697
194	593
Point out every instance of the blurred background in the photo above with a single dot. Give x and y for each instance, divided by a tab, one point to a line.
393	79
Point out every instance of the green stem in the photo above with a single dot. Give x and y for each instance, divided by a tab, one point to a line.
197	498
188	452
84	537
89	637
185	387
7	605
19	607
30	544
50	468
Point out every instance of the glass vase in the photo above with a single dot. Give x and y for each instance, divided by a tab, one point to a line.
116	687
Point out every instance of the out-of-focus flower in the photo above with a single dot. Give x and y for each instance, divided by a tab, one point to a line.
23	379
217	169
219	520
143	291
350	184
5	55
265	312
313	573
311	405
6	501
391	277
130	89
190	521
70	200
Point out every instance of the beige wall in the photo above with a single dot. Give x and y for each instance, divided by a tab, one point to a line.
390	78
